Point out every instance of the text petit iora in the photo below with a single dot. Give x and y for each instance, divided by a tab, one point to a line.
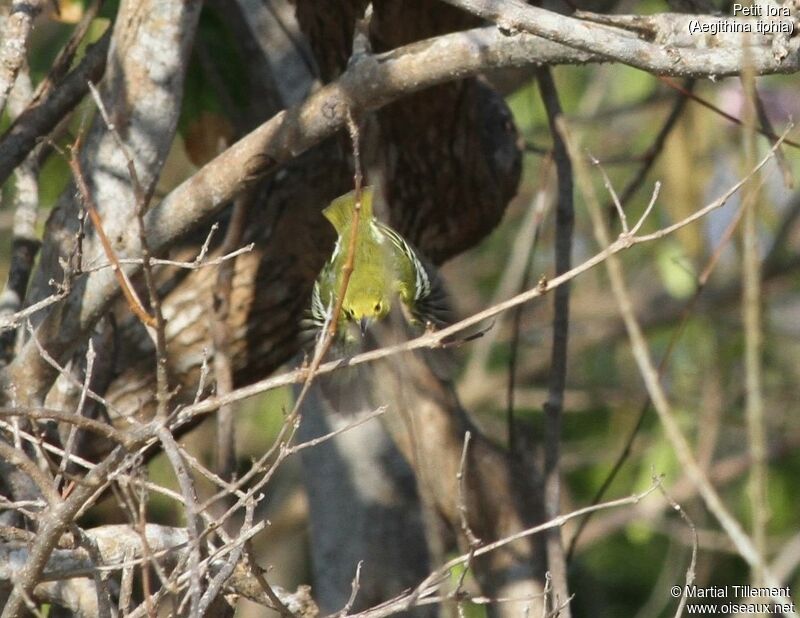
759	10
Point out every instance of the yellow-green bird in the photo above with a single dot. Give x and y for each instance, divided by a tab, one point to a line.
387	272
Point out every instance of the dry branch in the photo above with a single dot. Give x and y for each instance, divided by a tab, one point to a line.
674	434
16	26
449	335
554	406
660	44
369	83
39	120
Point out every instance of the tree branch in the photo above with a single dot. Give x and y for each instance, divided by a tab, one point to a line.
39	120
660	44
553	407
17	28
368	83
641	353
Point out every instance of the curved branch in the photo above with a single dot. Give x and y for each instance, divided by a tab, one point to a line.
664	43
368	84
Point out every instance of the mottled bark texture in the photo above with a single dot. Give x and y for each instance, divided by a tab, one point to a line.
500	492
143	91
448	162
363	508
270	290
448	155
16	24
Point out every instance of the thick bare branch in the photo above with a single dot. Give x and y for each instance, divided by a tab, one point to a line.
39	120
16	28
368	84
142	90
662	44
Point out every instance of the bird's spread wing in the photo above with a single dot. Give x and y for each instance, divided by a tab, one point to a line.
427	301
322	295
416	270
318	309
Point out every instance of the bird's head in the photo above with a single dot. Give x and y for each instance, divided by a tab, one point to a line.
365	309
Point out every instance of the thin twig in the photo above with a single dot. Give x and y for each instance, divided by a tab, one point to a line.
461	476
172	451
686	315
445	336
513	279
257	572
59	518
50	448
680	445
328	333
142	200
780	155
751	318
553	408
73	429
66	54
43	117
538	210
199	262
17	318
623	219
360	420
223	367
99	577
126	583
349	264
218	581
472	540
88	201
761	129
355	585
392	76
433	581
283	449
657	146
66	373
17	457
690	571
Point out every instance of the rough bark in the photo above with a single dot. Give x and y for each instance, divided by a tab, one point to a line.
449	164
363	508
272	284
448	156
143	90
500	493
270	291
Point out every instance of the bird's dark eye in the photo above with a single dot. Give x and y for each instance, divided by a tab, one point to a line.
378	307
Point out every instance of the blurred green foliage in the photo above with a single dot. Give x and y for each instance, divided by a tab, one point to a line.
630	570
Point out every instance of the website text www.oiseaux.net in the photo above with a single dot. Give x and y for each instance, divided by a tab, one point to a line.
750	600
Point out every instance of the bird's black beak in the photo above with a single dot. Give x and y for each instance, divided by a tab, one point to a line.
363	326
